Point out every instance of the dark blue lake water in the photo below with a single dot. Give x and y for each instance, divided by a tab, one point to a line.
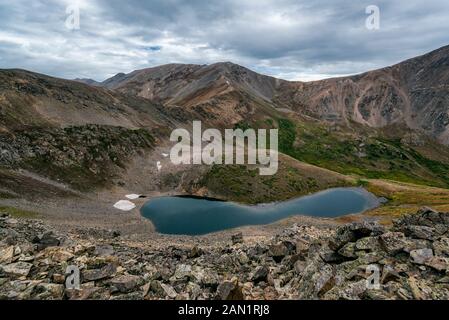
197	216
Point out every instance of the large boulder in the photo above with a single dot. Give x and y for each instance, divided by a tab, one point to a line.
353	232
229	290
420	232
45	240
108	271
420	256
18	269
7	254
317	279
260	274
278	251
125	283
393	242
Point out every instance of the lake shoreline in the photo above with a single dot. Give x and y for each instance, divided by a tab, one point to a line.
94	214
195	215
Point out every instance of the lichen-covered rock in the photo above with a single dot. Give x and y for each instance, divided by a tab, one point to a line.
18	269
237	238
420	232
420	256
230	290
301	262
107	271
278	251
260	274
7	254
393	242
125	283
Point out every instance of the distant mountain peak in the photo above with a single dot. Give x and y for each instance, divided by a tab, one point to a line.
88	81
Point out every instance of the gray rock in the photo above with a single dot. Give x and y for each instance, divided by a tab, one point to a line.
229	290
104	250
369	257
299	267
256	251
330	256
278	251
125	283
368	243
349	291
317	279
19	269
393	242
183	272
420	256
389	274
48	239
420	232
342	236
156	288
348	250
302	246
353	232
7	255
107	271
260	274
46	291
194	290
415	244
195	252
438	263
237	238
86	293
441	247
169	291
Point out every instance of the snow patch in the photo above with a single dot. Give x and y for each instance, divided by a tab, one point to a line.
124	205
133	196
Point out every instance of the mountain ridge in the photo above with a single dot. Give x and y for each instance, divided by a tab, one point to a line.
414	92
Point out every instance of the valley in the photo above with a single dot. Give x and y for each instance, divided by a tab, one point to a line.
78	144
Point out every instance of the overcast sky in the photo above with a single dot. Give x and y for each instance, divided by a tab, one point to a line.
290	39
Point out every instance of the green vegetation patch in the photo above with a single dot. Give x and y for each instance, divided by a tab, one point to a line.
244	184
19	213
373	157
84	157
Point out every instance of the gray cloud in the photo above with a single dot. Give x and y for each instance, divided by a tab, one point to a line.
294	39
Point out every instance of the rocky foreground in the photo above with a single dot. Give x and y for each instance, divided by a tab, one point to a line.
362	260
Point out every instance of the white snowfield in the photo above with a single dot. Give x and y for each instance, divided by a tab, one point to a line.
132	196
124	205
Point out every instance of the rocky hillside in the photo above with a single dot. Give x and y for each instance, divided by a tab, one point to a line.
85	157
31	99
180	84
414	93
220	94
72	133
302	262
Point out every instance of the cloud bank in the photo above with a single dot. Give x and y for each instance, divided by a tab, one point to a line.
290	39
